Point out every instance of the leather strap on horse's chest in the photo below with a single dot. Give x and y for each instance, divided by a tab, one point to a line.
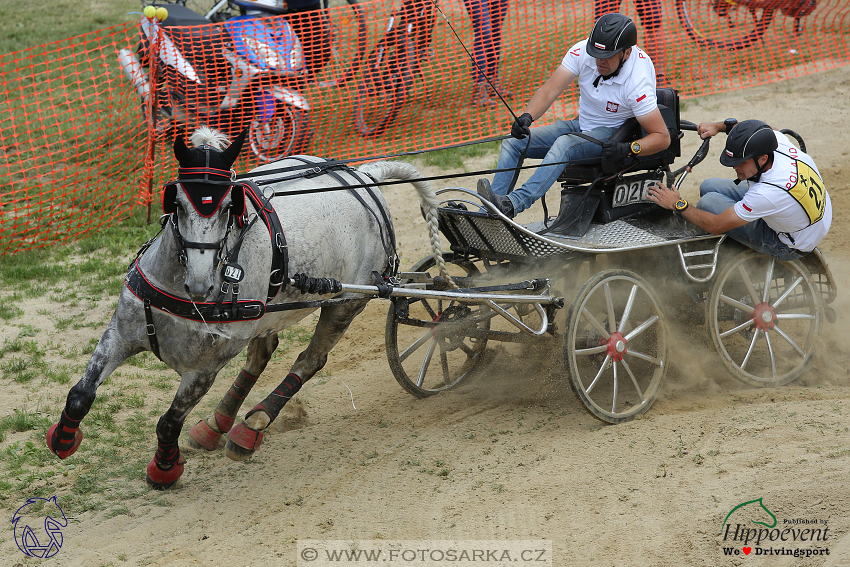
242	310
280	251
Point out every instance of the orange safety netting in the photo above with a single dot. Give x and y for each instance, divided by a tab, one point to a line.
82	141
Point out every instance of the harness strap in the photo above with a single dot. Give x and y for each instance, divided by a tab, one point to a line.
152	296
329	167
151	329
280	251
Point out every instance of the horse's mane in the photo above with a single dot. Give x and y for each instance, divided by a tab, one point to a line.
210	137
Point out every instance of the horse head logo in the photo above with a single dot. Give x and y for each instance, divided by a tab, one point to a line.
752	511
36	542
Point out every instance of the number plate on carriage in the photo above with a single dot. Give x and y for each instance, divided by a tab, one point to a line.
633	189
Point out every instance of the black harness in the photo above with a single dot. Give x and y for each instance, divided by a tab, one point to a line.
236	310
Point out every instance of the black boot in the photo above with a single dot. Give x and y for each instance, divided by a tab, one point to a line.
502	202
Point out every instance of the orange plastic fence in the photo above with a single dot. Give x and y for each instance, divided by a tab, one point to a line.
86	124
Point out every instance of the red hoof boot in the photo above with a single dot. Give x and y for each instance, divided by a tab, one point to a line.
242	441
160	479
204	436
63	450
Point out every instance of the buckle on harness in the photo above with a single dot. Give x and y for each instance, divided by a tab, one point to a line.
273	283
250	311
151	330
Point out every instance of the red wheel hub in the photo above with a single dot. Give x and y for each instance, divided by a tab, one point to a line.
764	316
616	346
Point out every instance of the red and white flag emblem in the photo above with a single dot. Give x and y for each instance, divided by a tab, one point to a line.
206	200
749	210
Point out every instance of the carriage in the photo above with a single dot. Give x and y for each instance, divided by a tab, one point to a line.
623	271
633	276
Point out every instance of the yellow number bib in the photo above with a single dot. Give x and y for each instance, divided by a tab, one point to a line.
809	191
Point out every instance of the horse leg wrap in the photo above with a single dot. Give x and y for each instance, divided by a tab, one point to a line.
275	401
166	466
229	405
225	414
65	437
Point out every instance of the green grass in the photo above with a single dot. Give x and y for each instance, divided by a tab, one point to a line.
454	158
99	274
27	24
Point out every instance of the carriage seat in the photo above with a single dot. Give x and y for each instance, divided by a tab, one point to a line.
668	104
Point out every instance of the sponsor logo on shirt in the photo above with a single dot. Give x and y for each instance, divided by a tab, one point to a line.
612	106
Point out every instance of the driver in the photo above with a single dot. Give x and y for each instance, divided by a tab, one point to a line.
778	205
616	81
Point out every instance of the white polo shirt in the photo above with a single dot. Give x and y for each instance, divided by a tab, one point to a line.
801	222
612	102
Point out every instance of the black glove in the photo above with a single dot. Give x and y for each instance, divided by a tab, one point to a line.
616	150
520	128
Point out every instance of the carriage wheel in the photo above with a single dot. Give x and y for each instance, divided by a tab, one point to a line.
724	24
763	318
435	348
615	347
383	88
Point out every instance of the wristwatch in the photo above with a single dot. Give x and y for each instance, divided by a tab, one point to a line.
635	148
729	123
680	205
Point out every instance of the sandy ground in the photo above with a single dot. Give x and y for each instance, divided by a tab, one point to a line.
513	455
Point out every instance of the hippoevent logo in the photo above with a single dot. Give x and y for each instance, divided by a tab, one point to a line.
38	527
755	530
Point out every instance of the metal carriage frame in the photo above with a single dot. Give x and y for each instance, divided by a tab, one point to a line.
762	315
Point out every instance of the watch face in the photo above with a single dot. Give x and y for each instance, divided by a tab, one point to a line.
681	204
635	148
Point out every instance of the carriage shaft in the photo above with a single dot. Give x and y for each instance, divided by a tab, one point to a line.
460	296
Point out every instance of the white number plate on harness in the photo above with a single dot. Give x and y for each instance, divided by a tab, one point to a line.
631	191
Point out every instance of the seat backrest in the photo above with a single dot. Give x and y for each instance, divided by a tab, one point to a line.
668	105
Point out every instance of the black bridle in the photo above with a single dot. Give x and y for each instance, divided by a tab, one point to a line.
183	244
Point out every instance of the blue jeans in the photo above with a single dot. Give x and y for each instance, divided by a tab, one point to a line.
487	17
552	144
717	195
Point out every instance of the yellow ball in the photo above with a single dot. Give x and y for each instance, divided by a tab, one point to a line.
149	11
161	14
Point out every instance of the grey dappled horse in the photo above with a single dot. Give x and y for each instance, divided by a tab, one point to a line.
327	235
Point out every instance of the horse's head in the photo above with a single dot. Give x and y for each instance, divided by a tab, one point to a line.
203	203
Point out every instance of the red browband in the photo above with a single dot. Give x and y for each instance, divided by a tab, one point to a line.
181	171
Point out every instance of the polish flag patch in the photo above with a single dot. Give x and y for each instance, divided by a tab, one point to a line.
206	200
749	210
641	97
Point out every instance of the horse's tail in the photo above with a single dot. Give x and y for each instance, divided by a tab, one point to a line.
382	170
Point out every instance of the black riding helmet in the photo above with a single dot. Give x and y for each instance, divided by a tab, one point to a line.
611	34
748	139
